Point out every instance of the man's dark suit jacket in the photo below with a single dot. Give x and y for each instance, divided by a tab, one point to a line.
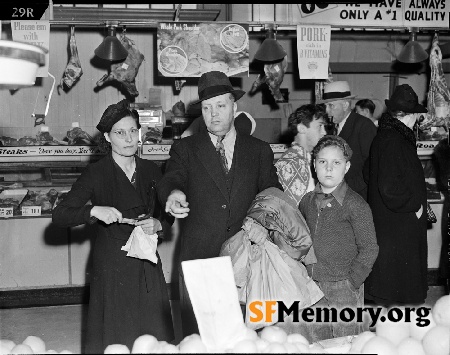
359	132
215	215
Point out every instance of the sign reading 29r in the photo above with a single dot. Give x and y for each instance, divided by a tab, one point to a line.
19	12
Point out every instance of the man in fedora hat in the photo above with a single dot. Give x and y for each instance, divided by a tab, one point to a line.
211	179
358	131
398	199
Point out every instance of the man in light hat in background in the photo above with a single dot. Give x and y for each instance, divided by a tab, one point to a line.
211	179
358	131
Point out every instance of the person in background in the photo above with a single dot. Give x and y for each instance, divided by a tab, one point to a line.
366	107
343	236
128	296
398	198
307	124
212	178
358	131
243	122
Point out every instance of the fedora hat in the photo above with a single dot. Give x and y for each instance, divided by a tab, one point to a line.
336	90
404	99
215	83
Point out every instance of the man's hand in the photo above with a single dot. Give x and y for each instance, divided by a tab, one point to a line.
177	205
106	214
257	233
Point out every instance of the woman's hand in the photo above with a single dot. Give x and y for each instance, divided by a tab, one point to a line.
149	225
106	214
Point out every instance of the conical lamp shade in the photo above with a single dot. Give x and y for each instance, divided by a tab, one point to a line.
412	52
270	50
111	48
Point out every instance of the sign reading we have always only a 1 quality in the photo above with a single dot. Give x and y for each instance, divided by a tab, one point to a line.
385	13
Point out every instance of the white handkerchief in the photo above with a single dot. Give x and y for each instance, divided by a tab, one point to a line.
141	245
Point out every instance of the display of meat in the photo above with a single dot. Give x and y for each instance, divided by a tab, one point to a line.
8	141
76	136
73	70
179	109
28	141
438	98
45	138
273	77
125	72
153	135
41	198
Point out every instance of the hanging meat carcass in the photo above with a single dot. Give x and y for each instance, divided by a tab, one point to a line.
438	99
273	77
73	70
125	72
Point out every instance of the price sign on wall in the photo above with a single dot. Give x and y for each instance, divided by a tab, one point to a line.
31	211
386	13
6	211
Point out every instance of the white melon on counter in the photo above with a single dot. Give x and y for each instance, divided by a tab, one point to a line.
6	346
437	341
35	343
441	311
144	344
117	349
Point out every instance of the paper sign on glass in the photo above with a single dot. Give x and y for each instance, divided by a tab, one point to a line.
36	33
313	51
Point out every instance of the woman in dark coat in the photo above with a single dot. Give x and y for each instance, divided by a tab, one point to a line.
397	196
128	296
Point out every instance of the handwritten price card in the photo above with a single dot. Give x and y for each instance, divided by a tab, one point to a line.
30	211
6	212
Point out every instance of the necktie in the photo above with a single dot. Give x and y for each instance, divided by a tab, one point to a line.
220	149
336	130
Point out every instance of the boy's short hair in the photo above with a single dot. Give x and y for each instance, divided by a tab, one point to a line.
366	103
306	114
333	141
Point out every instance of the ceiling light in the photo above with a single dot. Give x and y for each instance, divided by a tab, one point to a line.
111	48
412	52
270	50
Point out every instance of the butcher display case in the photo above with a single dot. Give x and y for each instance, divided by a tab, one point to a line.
42	175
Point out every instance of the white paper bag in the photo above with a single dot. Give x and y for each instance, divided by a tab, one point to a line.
213	293
141	245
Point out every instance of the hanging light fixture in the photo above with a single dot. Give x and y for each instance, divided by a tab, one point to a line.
19	64
111	48
270	50
412	52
